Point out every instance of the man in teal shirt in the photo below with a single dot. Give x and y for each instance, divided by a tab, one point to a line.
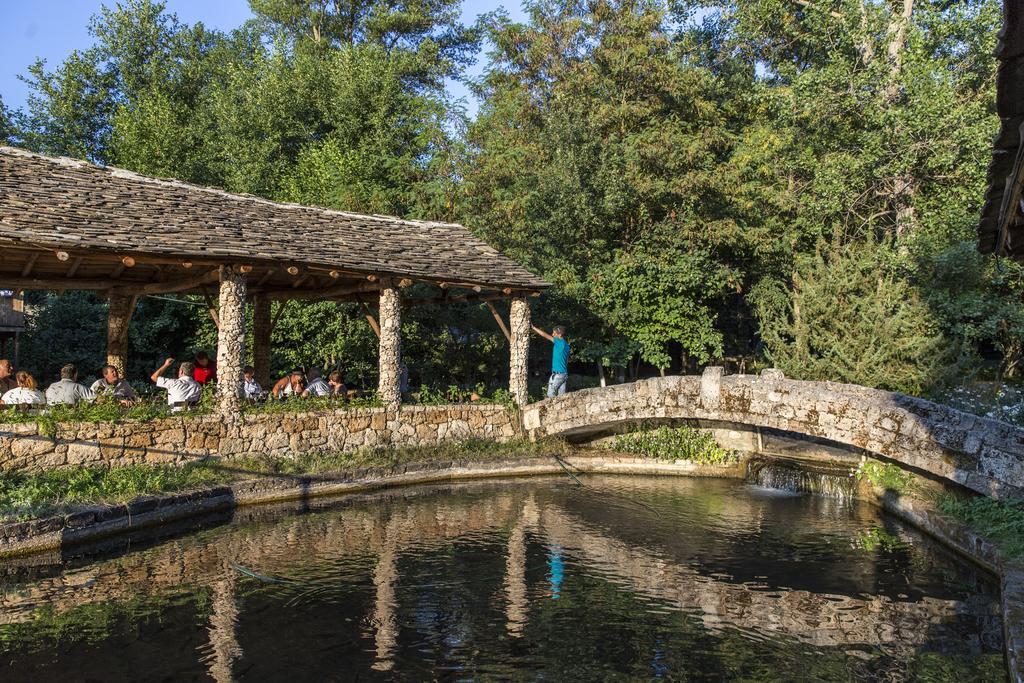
559	360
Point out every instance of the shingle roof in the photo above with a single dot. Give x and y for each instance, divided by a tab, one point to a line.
62	203
1001	229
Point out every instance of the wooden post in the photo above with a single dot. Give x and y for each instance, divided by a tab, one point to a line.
369	318
230	341
390	346
261	329
119	316
501	323
519	321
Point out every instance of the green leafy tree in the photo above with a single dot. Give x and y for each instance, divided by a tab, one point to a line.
849	317
658	296
596	136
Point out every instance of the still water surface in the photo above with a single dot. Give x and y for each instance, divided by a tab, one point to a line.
538	579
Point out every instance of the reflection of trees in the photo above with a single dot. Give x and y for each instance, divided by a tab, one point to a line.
460	603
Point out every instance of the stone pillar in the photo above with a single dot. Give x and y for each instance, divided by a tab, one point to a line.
223	629
261	321
230	340
516	590
390	346
119	316
385	604
519	321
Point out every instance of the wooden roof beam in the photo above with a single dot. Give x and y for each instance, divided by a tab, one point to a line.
60	284
76	263
170	287
465	298
323	293
27	270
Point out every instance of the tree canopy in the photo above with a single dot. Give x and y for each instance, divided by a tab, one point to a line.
787	182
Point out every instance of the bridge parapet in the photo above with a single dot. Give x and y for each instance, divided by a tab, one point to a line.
984	455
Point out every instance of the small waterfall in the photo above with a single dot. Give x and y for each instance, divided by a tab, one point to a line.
803	477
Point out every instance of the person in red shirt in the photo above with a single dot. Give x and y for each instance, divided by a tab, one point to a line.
205	369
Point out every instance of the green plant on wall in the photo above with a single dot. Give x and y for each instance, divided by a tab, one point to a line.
675	443
885	475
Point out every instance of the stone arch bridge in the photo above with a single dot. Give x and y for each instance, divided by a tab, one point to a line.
984	455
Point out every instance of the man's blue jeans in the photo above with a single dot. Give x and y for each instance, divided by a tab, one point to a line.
557	384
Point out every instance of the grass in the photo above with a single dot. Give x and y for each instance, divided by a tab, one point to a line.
38	494
1000	521
675	443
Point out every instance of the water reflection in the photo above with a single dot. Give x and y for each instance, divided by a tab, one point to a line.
633	577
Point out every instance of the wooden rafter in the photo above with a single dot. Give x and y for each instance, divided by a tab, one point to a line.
374	325
277	316
336	291
76	263
266	276
27	270
465	298
210	308
170	287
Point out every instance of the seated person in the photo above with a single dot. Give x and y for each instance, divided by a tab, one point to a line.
251	389
317	386
25	393
67	391
111	384
205	370
337	386
181	391
7	381
290	385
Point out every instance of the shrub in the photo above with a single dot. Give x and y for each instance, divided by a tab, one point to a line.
886	475
675	443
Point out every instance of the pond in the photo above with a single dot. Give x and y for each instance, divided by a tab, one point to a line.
530	579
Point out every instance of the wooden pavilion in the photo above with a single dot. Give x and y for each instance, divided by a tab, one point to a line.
1001	229
67	224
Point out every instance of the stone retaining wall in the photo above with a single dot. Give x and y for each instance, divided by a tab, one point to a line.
981	454
180	439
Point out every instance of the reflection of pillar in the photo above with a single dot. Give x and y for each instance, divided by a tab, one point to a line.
261	322
390	346
223	639
385	607
515	580
230	340
519	321
119	316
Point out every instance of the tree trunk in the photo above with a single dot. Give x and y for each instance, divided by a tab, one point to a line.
600	374
119	316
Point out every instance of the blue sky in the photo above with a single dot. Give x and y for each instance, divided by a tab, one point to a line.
51	29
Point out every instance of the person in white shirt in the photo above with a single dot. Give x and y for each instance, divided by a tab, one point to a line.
182	391
25	393
67	391
317	385
251	389
111	384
